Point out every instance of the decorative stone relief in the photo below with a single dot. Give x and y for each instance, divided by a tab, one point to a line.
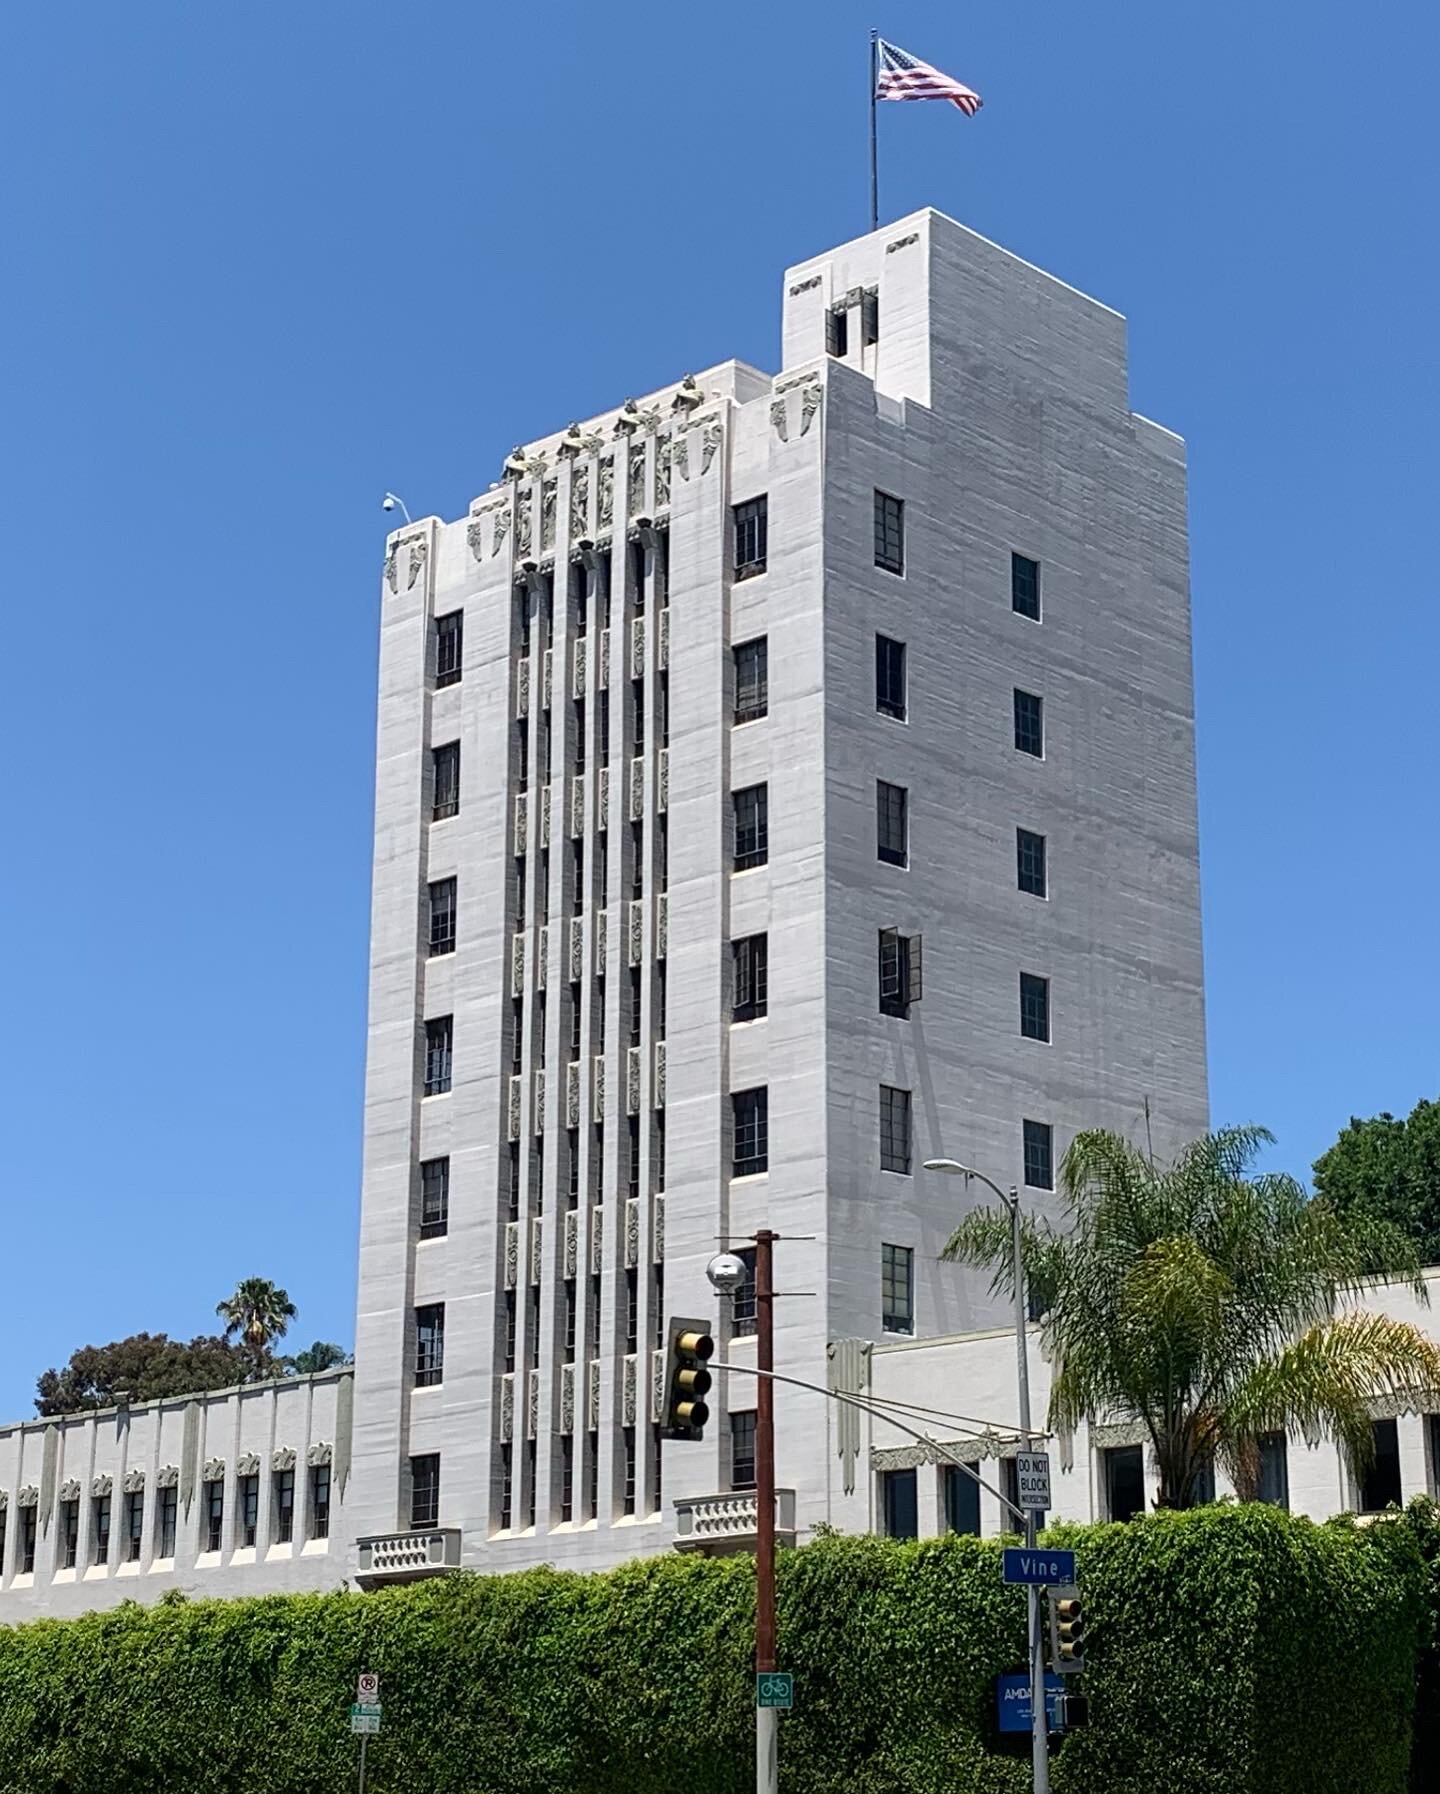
567	1398
572	1241
681	457
577	675
605	490
899	243
522	823
132	1482
602	940
659	1091
522	688
658	1210
577	807
635	480
627	1400
545	817
70	1490
419	554
804	286
517	965
391	576
637	788
547	515
168	1476
547	679
537	1236
657	1388
576	955
319	1454
635	938
248	1464
532	1404
779	419
572	1093
579	502
502	530
512	1254
524	509
602	818
515	1107
662	779
542	956
597	1241
102	1485
810	397
664	449
637	648
632	1080
592	1395
598	1111
710	440
283	1457
507	1407
213	1470
29	1496
632	1232
662	926
662	639
475	536
604	679
539	1102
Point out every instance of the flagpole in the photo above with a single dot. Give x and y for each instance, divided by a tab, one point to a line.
874	175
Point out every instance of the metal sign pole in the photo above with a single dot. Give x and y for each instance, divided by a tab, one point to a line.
364	1740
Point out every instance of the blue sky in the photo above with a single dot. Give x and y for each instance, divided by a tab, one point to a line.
263	262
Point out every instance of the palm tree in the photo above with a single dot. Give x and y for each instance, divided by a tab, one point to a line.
1208	1304
257	1314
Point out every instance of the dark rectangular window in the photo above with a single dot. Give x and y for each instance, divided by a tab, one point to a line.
627	1494
512	1182
167	1504
751	531
597	1163
752	826
1030	862
522	615
901	972
247	1495
517	887
320	1502
1380	1485
892	843
576	1018
602	727
29	1517
632	1310
837	330
962	1501
577	711
894	1130
282	1495
637	860
517	1035
577	878
742	1303
434	1198
69	1534
1274	1469
442	916
100	1539
572	1167
1025	586
568	1337
444	781
213	1515
425	1490
899	1504
429	1344
662	852
752	679
1039	1155
1029	723
509	1345
1034	1007
532	1452
592	1316
135	1524
449	638
870	316
1010	1489
662	708
438	1046
632	1155
637	1006
567	1477
657	1152
751	977
890	695
507	1484
750	1151
1124	1482
522	754
897	1289
637	714
889	532
742	1451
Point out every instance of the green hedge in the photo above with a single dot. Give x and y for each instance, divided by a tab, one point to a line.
1234	1649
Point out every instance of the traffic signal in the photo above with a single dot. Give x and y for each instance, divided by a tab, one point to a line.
688	1346
1067	1631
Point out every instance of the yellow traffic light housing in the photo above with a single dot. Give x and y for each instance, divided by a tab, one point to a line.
689	1346
1067	1631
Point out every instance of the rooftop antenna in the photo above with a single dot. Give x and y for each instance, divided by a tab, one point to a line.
389	503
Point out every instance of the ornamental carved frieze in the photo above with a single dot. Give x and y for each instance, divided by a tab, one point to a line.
632	1232
604	677
283	1458
502	531
537	1254
248	1464
664	450
662	639
662	926
635	480
627	1398
392	577
419	554
711	438
576	955
637	788
507	1407
522	823
592	1395
524	504
475	536
522	686
659	1092
637	648
780	419
567	1398
101	1486
598	1110
29	1496
632	1080
636	945
547	515
213	1471
532	1404
514	1116
597	1241
517	965
810	397
579	502
577	673
319	1454
662	779
658	1228
657	1387
605	491
680	457
132	1483
572	1091
168	1476
602	940
572	1242
70	1489
512	1254
542	951
539	1104
577	807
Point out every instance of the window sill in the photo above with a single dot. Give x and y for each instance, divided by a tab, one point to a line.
750	1177
745	1021
97	1572
243	1554
161	1563
127	1569
317	1547
23	1579
751	570
209	1560
64	1576
754	866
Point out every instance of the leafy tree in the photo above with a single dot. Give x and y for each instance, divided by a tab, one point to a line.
148	1365
322	1355
1202	1302
256	1315
1392	1169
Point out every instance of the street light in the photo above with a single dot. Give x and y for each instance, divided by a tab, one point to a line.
1039	1716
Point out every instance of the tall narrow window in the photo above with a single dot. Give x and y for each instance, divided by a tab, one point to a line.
592	1316
100	1530
742	1303
439	1033
135	1524
1034	1007
522	616
627	1493
1039	1139
1030	862
837	330
578	717
890	697
522	753
597	1164
442	917
889	532
579	596
637	715
425	1490
1029	723
637	577
892	843
1275	1469
449	635
167	1503
751	533
870	316
517	1036
752	679
901	979
510	1329
1124	1467
29	1516
962	1501
637	1005
751	977
637	860
1025	586
512	1182
572	1165
662	708
445	780
69	1534
434	1198
632	1155
662	852
577	878
247	1496
657	1153
568	1336
895	1147
282	1510
750	1150
897	1289
320	1501
517	893
742	1450
752	826
899	1505
507	1485
429	1344
602	727
567	1477
632	1309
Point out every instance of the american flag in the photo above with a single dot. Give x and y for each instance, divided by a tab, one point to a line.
904	77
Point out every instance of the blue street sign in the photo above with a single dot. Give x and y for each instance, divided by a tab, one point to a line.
1012	1702
1037	1566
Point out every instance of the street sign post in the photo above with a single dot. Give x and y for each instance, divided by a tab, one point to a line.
367	1688
1012	1702
774	1688
1032	1478
1036	1567
366	1724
